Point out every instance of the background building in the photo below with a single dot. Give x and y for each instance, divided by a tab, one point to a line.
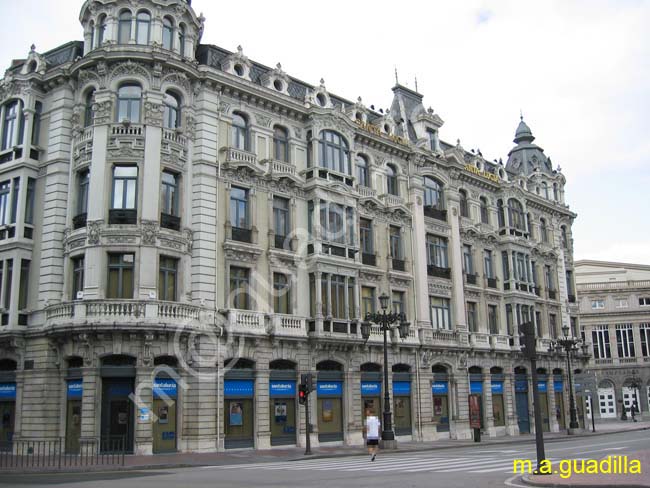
615	317
183	225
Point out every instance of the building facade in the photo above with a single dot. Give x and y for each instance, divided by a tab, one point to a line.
185	231
614	303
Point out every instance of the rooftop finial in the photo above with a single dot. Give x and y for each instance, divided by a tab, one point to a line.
33	47
416	83
521	115
396	79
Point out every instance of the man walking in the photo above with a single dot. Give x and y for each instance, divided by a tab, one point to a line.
372	435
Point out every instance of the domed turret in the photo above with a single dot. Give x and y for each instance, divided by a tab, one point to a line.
526	158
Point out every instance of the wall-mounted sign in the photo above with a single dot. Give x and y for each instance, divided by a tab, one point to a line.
439	387
163	387
484	174
401	388
371	388
558	385
282	388
497	388
541	386
377	131
238	388
476	387
75	389
330	388
7	391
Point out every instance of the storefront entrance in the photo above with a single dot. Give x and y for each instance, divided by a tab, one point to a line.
402	403
558	388
165	399
370	399
542	388
476	388
74	392
521	400
282	394
7	415
440	399
329	408
117	414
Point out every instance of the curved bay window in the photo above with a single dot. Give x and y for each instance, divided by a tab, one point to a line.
363	175
172	104
120	275
240	132
88	108
333	152
280	144
142	27
391	180
101	30
169	211
129	97
516	215
168	33
124	27
464	207
433	199
167	274
181	39
83	183
12	125
125	194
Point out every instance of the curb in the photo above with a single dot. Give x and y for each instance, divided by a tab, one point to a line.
527	481
360	452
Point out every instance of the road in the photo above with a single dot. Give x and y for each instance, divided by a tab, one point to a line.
475	466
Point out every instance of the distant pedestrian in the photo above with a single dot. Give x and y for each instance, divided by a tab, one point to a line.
372	435
635	409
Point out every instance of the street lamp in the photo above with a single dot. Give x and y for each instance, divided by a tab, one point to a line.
569	345
385	320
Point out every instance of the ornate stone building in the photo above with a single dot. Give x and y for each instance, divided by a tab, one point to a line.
614	303
184	231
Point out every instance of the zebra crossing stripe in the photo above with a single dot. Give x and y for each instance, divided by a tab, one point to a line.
412	466
462	465
509	466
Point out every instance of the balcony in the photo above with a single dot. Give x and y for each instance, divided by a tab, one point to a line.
500	342
439	272
537	290
122	216
470	279
245	322
369	259
281	169
168	221
282	242
392	200
79	221
366	192
328	174
444	337
435	213
399	264
288	326
238	157
241	235
479	340
492	282
552	294
108	312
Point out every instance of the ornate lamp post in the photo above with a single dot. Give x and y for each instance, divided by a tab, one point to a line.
385	320
569	345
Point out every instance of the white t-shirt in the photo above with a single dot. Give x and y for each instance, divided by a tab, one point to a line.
372	427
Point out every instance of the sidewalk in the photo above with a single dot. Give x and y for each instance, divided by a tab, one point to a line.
176	460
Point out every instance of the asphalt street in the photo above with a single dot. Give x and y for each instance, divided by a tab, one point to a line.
475	466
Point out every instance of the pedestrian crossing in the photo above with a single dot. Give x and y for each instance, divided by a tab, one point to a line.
391	464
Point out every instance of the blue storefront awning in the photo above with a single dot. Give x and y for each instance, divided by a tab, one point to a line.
238	388
279	388
402	388
497	387
330	388
370	388
75	389
164	387
7	391
439	387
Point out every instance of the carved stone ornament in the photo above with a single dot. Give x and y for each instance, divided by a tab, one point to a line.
93	232
129	68
149	232
153	114
103	112
263	120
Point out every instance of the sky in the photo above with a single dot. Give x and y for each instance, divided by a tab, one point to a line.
579	71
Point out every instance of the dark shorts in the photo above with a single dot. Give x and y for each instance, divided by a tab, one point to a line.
372	442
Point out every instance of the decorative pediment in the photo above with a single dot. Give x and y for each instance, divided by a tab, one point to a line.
276	79
237	64
319	97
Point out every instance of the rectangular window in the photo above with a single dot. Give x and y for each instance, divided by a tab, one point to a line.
14	200
644	302
440	313
625	341
170	200
365	235
538	323
281	294
432	139
281	222
239	212
493	319
338	296
167	279
351	290
310	219
548	275
367	300
120	275
574	326
597	304
621	303
600	338
437	251
7	283
77	276
239	288
5	211
83	183
552	325
472	319
23	290
395	242
468	263
488	264
506	265
509	320
29	202
398	301
644	330
125	187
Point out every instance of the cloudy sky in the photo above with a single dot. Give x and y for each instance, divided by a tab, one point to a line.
578	70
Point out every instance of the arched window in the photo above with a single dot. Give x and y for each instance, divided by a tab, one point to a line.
464	207
239	132
92	34
529	224
391	180
101	30
172	110
501	213
516	214
565	239
280	144
545	189
10	124
485	218
542	230
88	108
168	33
142	27
333	152
181	39
129	96
555	192
124	27
363	176
433	196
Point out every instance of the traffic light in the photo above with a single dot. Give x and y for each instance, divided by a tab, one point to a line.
302	394
307	380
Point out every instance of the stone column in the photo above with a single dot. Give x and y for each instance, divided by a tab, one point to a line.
487	405
512	428
262	405
143	429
